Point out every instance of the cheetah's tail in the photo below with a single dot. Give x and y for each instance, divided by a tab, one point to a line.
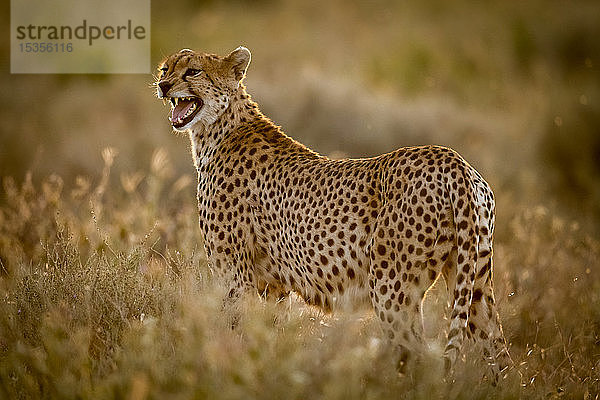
466	220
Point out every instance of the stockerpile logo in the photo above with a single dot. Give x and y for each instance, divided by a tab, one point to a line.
74	36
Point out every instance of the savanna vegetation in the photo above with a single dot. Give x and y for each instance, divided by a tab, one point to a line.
104	287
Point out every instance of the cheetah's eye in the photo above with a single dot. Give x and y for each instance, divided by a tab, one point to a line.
192	72
163	71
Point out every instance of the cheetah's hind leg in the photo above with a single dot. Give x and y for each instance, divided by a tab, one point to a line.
484	326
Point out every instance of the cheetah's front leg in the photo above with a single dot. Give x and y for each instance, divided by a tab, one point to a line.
235	272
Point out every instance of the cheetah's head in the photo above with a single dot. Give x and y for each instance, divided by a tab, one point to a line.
199	86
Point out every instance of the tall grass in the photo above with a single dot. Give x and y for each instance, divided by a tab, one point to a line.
106	294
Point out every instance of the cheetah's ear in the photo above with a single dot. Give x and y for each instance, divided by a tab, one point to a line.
239	60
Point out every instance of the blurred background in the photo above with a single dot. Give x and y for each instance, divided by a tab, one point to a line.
514	87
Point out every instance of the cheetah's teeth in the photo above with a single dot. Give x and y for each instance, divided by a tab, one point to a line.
187	113
190	111
176	100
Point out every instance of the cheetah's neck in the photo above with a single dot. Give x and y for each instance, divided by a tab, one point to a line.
206	139
242	113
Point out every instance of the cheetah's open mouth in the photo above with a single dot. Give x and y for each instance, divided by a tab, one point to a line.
184	109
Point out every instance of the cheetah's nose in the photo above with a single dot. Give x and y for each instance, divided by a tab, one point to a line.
164	87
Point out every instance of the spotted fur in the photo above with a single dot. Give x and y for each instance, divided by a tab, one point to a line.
278	217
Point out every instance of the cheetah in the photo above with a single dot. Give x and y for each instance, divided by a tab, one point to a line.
278	217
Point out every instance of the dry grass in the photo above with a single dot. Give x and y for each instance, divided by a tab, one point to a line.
107	295
105	292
